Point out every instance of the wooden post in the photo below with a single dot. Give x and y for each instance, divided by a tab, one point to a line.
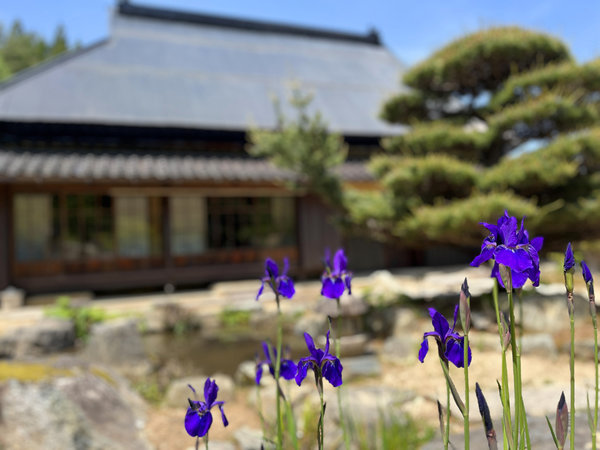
4	236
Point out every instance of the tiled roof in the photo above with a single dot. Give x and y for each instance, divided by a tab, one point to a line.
40	166
157	69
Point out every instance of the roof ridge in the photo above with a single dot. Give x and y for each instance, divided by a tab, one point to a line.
126	8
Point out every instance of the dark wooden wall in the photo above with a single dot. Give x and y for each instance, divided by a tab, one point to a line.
4	236
316	232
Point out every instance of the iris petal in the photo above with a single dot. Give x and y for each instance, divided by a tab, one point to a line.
205	422
507	231
333	288
260	290
339	262
440	324
454	353
332	371
423	350
223	418
310	344
192	422
288	369
585	270
303	366
271	269
517	259
286	287
537	243
210	392
486	254
348	281
259	371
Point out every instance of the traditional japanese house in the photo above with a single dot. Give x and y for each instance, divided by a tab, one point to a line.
123	164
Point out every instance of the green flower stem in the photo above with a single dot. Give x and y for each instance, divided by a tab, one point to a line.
320	429
523	413
506	416
571	307
516	357
206	440
520	345
594	322
505	398
277	372
466	411
447	429
453	390
338	335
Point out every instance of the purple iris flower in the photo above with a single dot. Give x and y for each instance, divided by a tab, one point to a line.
450	344
280	284
198	418
569	258
323	363
509	245
587	275
335	278
287	369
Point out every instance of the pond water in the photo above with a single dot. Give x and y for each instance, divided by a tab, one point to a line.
194	353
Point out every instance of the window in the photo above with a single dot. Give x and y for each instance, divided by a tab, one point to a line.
188	225
250	222
138	226
88	233
33	227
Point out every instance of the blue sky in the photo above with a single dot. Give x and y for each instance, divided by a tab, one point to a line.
411	29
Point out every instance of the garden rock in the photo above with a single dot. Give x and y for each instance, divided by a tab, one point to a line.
405	320
245	373
178	391
48	336
361	366
383	288
311	323
351	306
398	348
8	345
538	344
226	386
117	343
545	313
71	412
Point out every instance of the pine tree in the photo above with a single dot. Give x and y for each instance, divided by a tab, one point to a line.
500	119
21	49
304	146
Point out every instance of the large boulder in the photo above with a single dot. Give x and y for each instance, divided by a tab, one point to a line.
70	409
50	335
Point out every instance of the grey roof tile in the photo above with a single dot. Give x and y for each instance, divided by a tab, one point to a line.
172	73
46	165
